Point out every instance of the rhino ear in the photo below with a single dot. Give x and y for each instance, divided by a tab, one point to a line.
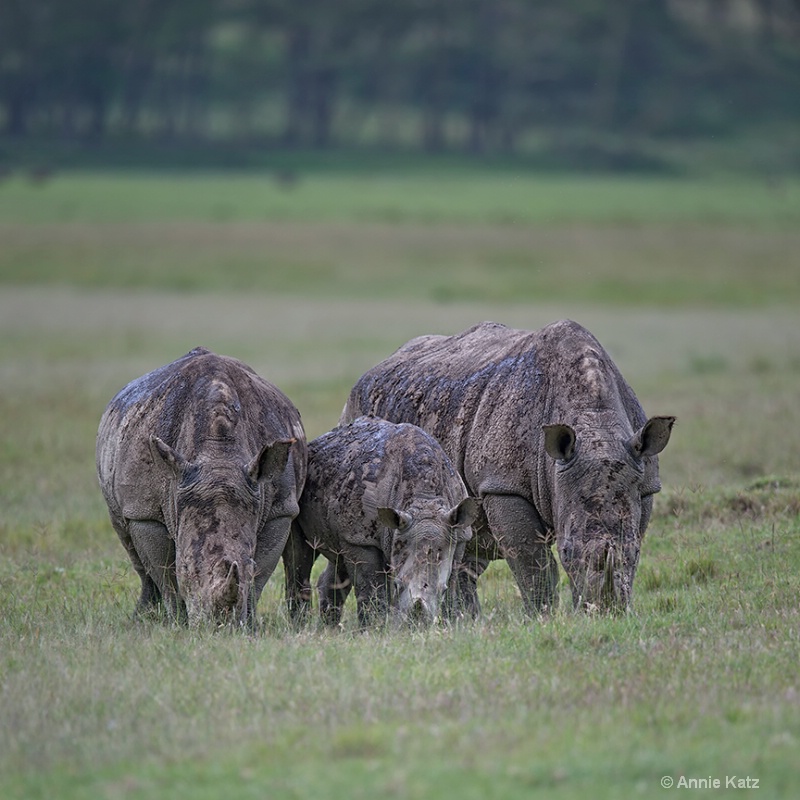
559	441
653	437
271	460
395	519
161	451
464	514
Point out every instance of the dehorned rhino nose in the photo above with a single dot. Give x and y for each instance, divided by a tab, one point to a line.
610	560
230	589
420	612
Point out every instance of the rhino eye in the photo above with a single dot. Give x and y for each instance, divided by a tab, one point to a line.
189	476
253	485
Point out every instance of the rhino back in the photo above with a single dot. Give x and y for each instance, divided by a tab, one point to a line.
198	402
485	394
371	463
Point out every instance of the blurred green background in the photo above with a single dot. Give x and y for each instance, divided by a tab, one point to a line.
664	86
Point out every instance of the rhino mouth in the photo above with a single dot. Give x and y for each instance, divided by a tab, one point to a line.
603	584
420	613
415	611
226	601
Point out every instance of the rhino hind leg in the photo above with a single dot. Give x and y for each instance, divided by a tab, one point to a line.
519	532
333	587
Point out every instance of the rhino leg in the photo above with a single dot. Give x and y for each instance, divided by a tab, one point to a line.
333	586
156	552
150	597
364	569
298	561
521	536
461	598
368	569
270	545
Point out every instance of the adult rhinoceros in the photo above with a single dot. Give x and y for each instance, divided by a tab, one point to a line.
201	463
545	430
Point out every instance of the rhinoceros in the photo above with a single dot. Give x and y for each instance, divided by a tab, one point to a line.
389	511
543	429
201	463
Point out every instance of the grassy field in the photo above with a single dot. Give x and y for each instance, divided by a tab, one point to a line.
694	288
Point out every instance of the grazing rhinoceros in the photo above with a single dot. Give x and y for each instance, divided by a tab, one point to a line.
201	463
546	432
388	510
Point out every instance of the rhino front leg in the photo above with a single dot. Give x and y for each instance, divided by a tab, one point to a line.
461	597
334	586
370	578
298	561
521	537
270	546
362	568
150	597
156	552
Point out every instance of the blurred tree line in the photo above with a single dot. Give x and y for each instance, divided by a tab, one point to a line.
479	75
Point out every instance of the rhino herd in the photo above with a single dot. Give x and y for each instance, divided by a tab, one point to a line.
493	443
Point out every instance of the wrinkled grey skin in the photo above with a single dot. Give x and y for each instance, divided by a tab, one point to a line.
201	463
388	510
546	432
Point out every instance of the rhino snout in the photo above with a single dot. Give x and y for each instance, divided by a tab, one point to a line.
225	598
418	610
600	577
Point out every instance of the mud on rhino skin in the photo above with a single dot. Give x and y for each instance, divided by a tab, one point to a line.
543	429
201	463
390	513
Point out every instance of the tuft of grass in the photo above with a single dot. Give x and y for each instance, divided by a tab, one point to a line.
770	497
666	604
704	365
701	570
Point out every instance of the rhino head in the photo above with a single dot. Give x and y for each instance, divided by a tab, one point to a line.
426	538
218	507
602	499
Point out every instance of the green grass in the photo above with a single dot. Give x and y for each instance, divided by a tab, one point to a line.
701	680
451	236
437	196
652	265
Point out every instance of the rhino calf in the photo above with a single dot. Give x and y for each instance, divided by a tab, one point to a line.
201	463
386	507
547	433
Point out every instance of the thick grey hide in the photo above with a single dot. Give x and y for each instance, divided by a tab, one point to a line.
389	511
544	429
201	463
